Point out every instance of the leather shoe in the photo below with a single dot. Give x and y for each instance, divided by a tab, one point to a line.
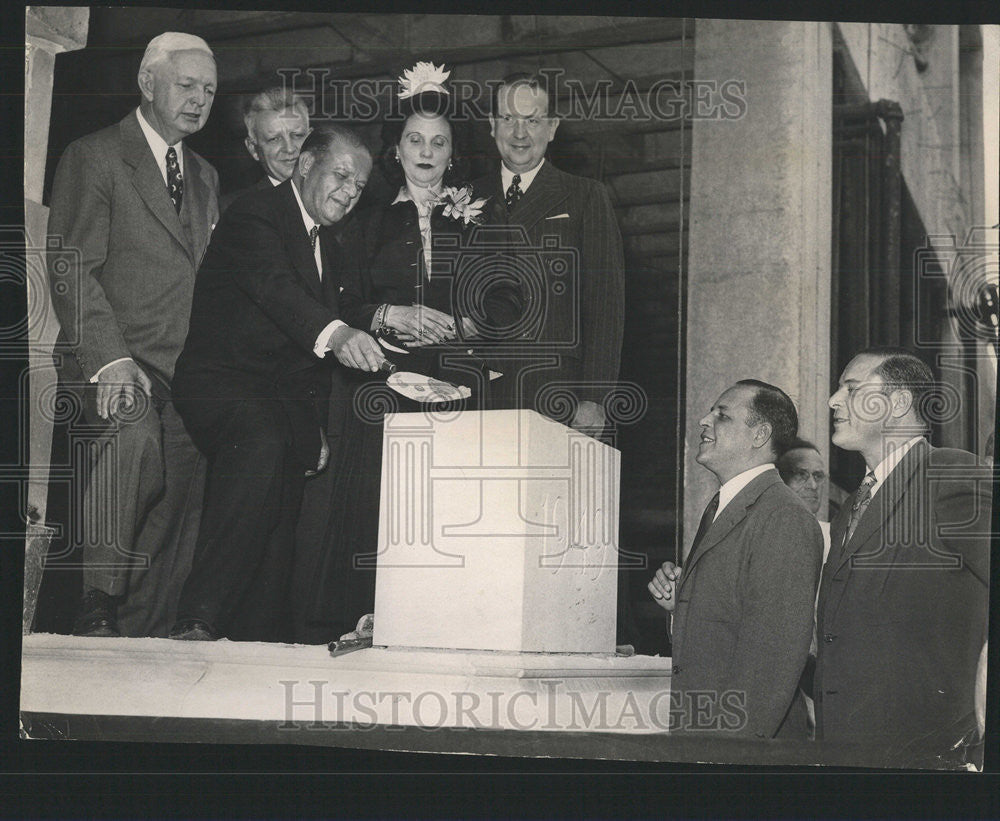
192	630
98	616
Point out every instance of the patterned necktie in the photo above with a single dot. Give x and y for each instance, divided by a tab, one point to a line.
706	522
175	180
514	192
862	498
317	254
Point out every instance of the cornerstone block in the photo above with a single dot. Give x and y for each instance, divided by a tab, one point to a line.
498	531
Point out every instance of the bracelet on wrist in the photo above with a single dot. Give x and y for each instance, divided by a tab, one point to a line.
380	314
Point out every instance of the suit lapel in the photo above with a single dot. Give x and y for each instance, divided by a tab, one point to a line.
197	191
497	205
883	506
299	247
734	513
331	251
545	193
147	180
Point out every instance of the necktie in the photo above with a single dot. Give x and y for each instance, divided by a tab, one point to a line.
514	192
175	180
314	242
862	498
706	522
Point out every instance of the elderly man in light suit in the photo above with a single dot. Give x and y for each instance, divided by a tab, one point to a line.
742	609
138	206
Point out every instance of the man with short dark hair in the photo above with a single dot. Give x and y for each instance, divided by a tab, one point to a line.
277	123
801	468
252	388
902	612
568	260
742	609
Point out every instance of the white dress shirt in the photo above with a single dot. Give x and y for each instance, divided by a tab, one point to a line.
507	177
324	336
159	146
884	468
737	483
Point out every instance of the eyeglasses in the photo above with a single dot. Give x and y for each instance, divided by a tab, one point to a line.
803	476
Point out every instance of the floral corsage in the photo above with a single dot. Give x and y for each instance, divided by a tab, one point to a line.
459	205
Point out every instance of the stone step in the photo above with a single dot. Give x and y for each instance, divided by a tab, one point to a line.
646	187
649	219
644	246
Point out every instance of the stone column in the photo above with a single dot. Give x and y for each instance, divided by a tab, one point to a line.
760	229
49	31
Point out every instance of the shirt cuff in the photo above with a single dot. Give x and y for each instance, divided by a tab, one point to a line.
324	337
97	375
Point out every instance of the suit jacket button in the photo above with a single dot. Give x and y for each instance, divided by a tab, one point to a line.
828	638
312	391
675	671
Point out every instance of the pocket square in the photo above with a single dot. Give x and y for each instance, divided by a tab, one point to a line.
559	217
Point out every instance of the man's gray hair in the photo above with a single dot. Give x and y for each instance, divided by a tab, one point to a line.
275	98
161	46
322	137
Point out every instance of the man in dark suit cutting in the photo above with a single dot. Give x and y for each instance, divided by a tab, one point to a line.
566	251
134	207
902	611
742	609
251	385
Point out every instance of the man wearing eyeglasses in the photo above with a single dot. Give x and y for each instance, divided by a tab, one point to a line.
802	469
565	249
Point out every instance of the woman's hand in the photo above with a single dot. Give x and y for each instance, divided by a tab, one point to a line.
469	329
420	325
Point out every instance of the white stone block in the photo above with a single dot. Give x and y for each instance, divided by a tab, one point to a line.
498	530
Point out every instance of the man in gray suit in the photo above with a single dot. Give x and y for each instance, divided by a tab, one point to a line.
565	248
277	123
742	609
138	206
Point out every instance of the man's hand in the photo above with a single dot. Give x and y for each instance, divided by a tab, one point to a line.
355	349
589	418
664	585
324	454
118	386
420	325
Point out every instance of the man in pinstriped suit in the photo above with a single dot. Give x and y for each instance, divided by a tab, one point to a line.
574	300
